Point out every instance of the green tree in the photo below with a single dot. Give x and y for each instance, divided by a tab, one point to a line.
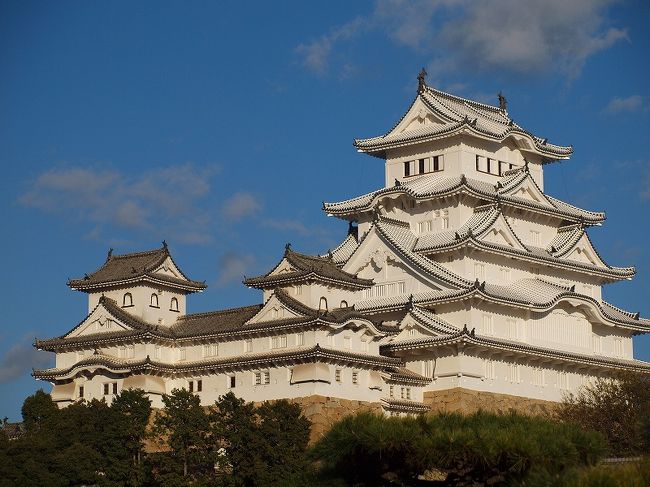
133	408
618	408
38	409
183	426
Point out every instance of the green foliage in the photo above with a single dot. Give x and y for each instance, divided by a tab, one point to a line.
183	426
368	449
619	409
259	446
38	409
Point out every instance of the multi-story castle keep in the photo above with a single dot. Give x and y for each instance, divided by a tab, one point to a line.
460	278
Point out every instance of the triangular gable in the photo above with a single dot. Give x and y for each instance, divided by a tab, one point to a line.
282	268
527	190
372	257
584	252
169	268
273	310
100	320
500	233
412	329
418	116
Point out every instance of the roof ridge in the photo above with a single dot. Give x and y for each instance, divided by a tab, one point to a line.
219	312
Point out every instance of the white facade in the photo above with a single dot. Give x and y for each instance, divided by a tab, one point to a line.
460	273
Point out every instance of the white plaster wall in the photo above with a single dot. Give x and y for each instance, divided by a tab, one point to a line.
141	302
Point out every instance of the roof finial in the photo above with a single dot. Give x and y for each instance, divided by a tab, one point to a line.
110	253
287	248
422	84
503	103
164	245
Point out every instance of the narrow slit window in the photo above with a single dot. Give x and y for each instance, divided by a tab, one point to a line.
421	166
407	168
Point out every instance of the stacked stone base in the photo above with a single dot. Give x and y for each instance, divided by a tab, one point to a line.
467	401
323	411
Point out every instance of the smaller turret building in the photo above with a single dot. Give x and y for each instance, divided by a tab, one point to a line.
460	284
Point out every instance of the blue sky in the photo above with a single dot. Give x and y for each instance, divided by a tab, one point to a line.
221	127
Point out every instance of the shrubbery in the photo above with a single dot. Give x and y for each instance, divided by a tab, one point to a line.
371	450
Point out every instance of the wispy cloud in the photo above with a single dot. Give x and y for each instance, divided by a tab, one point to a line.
164	199
514	36
240	205
19	360
316	54
292	226
627	104
232	267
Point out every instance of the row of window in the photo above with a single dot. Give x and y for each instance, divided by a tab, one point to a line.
513	375
127	302
423	166
405	392
492	166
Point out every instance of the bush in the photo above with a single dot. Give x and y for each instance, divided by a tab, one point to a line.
368	449
619	409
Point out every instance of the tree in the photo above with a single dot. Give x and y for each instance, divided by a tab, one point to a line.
183	426
618	408
38	409
263	445
133	408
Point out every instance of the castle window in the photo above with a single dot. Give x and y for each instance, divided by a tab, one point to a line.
436	162
154	301
322	305
267	377
127	300
391	391
248	346
355	377
81	392
347	343
279	341
156	352
300	339
174	305
421	166
211	350
408	393
182	354
231	382
407	168
534	237
195	385
344	304
298	289
337	375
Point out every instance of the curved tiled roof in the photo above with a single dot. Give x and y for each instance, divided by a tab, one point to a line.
307	267
482	220
437	186
129	268
304	354
403	375
342	253
468	337
535	294
460	115
405	405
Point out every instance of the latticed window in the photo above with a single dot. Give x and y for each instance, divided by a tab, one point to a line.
355	377
279	341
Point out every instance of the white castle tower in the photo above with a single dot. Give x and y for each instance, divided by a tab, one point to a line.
459	285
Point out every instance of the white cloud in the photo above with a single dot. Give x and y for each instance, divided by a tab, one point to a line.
514	36
232	266
628	104
316	53
166	200
19	360
240	205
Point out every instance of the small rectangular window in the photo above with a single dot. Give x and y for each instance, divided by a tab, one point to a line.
258	378
482	164
231	382
337	375
279	341
346	343
106	389
114	387
421	166
445	222
191	386
407	168
437	163
408	393
199	385
300	339
182	354
81	392
267	377
391	391
248	345
355	377
156	352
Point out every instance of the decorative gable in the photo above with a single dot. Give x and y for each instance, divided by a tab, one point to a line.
500	233
100	320
169	268
274	309
282	268
417	117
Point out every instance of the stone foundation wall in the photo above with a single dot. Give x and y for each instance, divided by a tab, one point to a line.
468	401
323	411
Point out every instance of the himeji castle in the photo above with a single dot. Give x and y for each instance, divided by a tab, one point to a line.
460	285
